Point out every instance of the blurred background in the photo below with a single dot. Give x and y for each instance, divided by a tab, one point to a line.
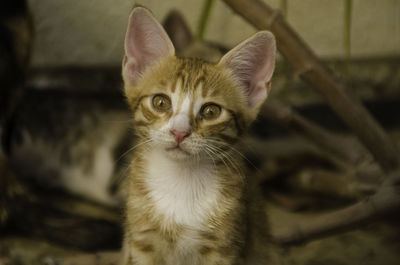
92	32
67	137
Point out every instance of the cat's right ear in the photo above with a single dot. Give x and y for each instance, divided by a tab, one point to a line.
146	43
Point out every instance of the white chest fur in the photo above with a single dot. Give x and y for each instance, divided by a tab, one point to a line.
183	192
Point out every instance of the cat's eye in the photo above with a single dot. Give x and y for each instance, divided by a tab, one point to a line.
161	102
210	111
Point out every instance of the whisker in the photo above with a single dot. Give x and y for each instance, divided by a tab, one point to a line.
210	155
133	148
229	157
235	150
209	148
117	180
225	158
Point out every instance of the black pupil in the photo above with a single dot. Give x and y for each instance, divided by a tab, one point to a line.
210	111
160	102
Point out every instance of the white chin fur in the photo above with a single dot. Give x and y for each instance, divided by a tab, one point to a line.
178	153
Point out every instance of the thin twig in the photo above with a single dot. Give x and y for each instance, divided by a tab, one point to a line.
205	15
387	199
336	145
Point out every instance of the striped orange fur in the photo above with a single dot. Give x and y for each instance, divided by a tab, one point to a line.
188	200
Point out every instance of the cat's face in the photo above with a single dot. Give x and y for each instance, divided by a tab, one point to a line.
187	108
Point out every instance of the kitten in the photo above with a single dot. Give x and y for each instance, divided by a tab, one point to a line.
72	142
188	201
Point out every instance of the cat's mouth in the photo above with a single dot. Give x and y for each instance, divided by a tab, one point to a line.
177	149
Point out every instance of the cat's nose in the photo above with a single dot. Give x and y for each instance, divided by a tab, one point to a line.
180	135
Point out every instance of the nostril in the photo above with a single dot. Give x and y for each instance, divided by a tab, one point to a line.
180	135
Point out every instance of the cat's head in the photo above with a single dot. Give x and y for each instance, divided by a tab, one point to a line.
189	108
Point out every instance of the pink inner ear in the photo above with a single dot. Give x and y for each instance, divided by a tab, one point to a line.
252	63
146	43
258	93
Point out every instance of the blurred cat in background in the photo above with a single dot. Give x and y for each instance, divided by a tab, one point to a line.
72	131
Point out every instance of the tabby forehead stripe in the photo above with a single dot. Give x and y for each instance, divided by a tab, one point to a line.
215	92
192	114
199	85
180	97
175	82
185	82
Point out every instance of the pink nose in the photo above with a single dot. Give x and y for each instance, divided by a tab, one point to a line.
180	135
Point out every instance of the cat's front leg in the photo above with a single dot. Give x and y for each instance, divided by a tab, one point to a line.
219	256
138	253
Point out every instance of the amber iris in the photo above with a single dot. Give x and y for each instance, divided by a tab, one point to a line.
210	111
161	103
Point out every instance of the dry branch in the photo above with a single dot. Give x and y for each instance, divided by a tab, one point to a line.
289	118
358	164
311	69
387	199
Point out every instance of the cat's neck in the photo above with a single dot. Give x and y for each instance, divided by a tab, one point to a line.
189	173
184	191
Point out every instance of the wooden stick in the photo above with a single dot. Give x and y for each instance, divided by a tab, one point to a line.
336	145
384	201
311	69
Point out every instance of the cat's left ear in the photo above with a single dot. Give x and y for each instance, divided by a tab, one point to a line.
146	43
252	64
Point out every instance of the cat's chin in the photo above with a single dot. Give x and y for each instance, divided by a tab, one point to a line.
178	153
